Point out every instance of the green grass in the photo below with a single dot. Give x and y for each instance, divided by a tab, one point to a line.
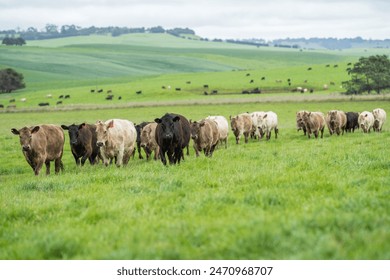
290	198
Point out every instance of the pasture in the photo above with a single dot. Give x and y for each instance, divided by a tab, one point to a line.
290	198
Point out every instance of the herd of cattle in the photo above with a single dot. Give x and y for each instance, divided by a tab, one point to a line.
117	140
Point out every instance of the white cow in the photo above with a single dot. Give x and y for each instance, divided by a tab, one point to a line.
116	139
379	119
255	116
366	121
266	123
223	128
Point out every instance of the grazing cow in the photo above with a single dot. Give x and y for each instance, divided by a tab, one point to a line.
1	106
67	96
336	121
205	86
352	122
241	124
59	103
109	97
366	121
205	136
255	131
148	140
139	128
178	89
12	100
299	120
42	104
266	123
83	142
116	139
100	90
314	123
379	119
262	78
223	128
172	136
42	144
138	92
61	96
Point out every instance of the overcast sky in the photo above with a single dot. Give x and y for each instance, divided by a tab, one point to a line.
234	19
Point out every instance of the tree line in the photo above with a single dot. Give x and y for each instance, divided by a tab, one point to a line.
51	31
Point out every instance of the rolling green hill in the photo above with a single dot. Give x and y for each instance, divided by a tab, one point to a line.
148	62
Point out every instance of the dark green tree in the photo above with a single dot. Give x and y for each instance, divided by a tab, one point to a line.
10	80
368	74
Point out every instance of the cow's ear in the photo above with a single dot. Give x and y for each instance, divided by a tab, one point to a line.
265	116
15	131
110	124
177	118
157	120
230	117
35	129
64	127
366	115
202	123
190	121
81	125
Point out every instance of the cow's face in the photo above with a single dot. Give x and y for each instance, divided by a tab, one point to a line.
333	116
73	132
195	129
25	136
145	135
167	124
102	132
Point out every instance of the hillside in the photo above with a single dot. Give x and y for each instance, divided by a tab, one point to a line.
147	62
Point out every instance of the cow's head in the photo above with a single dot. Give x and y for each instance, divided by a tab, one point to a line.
73	131
195	128
167	124
145	135
102	132
25	136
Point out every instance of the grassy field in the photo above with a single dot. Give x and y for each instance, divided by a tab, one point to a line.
147	62
290	198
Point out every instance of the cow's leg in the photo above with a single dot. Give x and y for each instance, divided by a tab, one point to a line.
139	150
119	161
76	158
47	164
246	136
58	165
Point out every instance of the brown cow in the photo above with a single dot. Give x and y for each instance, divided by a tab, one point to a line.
336	121
205	135
300	124
42	144
241	124
148	140
314	123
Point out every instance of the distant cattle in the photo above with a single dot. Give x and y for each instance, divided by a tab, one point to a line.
314	123
92	90
262	78
251	81
23	99
83	140
214	92
299	121
1	106
205	86
59	103
366	121
241	125
223	128
336	121
205	136
61	96
138	129
109	91
379	119
12	100
109	97
116	139
138	92
172	136
178	89
352	122
42	144
100	90
266	123
42	104
188	82
148	140
67	96
309	69
49	95
256	90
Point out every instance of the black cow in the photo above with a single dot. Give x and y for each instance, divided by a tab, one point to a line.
43	104
172	136
83	142
1	106
139	128
352	121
